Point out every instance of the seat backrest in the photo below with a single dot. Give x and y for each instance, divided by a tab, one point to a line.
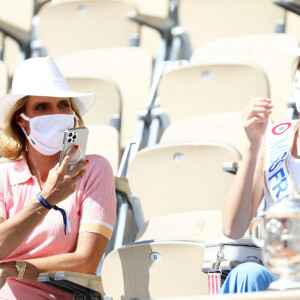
104	140
157	8
292	24
193	225
149	37
208	20
225	127
210	88
174	178
76	25
266	50
3	79
155	270
131	70
17	14
108	101
11	54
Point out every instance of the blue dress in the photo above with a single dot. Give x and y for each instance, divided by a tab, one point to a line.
247	277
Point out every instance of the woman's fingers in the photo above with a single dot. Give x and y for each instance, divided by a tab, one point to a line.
258	102
258	112
77	168
66	160
79	176
259	107
255	120
62	181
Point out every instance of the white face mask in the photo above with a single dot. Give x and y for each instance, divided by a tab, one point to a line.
47	132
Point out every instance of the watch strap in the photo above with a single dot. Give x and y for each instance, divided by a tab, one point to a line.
21	267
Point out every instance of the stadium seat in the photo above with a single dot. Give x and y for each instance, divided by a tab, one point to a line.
104	140
292	24
206	88
131	70
165	260
138	272
77	25
3	79
108	105
180	177
16	28
149	37
155	269
224	127
266	50
174	43
210	88
16	19
17	34
193	225
208	20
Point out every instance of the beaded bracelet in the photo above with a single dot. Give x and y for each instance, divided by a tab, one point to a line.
61	210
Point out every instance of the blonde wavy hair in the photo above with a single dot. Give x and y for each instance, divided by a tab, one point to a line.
13	144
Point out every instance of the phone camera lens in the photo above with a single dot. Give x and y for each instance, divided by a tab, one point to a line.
70	134
69	140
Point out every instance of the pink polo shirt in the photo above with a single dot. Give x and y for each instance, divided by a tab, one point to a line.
91	208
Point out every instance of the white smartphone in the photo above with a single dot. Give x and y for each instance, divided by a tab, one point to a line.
74	136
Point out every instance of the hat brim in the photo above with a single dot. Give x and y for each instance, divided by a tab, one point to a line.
83	102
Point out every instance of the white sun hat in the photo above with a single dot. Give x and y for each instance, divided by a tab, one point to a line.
40	76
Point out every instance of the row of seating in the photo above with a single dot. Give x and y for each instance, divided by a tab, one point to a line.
202	21
221	76
169	193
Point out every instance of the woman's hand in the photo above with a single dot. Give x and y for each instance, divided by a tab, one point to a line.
61	181
7	270
256	118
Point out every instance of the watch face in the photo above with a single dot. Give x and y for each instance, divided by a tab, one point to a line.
21	264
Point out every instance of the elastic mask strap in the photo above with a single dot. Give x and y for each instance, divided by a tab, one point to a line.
25	132
24	117
27	119
75	116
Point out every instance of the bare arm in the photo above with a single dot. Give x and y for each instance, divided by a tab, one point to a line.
244	196
246	192
85	259
59	185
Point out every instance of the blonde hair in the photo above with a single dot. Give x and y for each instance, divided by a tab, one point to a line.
12	138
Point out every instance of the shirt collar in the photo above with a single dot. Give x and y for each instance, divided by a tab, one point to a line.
19	172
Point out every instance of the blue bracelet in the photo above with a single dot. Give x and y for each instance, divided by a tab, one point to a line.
61	210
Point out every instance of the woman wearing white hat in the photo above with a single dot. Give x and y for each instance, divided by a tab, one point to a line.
33	237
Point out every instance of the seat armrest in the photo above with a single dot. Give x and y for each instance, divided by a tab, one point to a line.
79	284
231	166
122	185
162	25
92	282
21	36
48	279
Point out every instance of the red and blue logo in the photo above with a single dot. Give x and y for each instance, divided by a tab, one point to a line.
281	128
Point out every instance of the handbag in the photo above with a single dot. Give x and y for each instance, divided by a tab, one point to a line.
222	255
